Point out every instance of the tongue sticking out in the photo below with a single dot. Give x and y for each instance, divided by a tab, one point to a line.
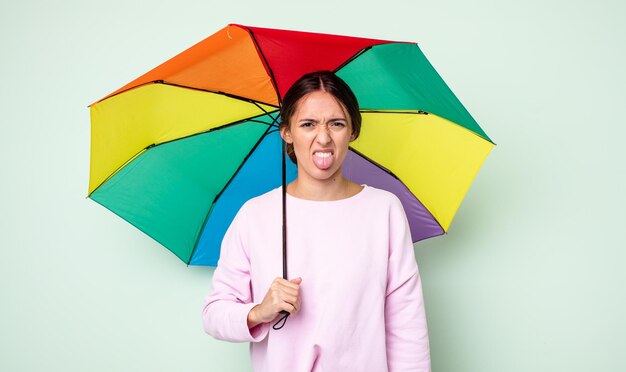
322	160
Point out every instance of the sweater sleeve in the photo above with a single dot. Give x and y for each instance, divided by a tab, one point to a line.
226	308
405	317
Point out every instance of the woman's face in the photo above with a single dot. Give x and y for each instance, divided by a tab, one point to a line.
320	131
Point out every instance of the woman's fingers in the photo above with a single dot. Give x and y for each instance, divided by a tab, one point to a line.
290	296
291	308
282	295
293	301
281	285
287	284
295	292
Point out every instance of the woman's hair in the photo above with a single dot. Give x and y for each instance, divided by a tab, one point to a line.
325	81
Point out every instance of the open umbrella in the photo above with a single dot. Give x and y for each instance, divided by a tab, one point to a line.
177	151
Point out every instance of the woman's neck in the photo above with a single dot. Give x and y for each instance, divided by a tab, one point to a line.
334	188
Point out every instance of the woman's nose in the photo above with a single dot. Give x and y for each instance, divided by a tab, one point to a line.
323	137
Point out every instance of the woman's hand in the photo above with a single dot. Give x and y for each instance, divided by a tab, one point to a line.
282	295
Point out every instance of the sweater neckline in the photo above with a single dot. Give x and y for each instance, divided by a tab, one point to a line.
326	202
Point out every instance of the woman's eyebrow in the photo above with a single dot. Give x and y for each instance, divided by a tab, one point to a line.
307	121
329	119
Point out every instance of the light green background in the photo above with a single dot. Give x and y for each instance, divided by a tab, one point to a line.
530	277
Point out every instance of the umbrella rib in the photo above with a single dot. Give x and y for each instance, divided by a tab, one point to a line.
230	95
120	92
163	82
266	65
182	138
274	119
357	54
206	218
413	112
360	52
422	112
209	131
375	163
245	159
213	130
403	184
120	167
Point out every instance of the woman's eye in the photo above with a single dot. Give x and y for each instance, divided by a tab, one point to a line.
339	124
306	124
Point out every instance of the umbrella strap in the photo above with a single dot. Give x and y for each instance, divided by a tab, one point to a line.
281	322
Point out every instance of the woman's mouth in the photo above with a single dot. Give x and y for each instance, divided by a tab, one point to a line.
323	159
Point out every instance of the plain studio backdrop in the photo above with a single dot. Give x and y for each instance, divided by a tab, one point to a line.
530	278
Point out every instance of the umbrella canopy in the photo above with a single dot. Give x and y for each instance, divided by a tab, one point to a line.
177	151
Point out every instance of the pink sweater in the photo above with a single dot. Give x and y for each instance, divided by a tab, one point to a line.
362	306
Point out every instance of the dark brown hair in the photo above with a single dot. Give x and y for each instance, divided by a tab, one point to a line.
325	81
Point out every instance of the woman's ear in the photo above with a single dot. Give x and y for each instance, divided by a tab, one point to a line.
286	134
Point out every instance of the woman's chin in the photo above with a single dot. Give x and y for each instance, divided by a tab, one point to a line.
320	174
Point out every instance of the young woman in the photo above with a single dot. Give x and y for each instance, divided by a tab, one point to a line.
355	296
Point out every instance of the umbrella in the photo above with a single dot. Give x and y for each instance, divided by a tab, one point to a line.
177	151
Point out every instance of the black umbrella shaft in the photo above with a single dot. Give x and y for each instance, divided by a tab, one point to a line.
284	175
281	322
